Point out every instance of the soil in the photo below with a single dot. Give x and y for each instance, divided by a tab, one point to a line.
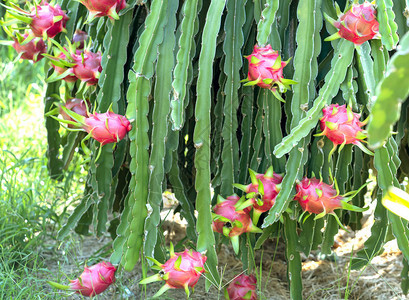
322	279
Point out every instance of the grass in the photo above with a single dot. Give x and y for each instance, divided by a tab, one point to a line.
32	206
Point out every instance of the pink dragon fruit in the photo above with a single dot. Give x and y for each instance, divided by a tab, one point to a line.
266	70
76	105
79	38
357	25
93	281
98	8
107	127
59	64
32	50
342	126
317	197
243	287
182	270
262	192
232	222
47	19
87	66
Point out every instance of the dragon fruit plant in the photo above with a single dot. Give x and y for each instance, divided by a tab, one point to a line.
181	271
266	71
262	192
63	68
44	20
342	126
103	8
320	198
358	24
93	281
231	221
242	287
33	50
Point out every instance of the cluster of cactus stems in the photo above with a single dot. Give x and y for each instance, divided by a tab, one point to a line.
176	70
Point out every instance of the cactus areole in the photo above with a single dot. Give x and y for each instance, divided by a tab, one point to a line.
243	287
47	19
182	270
266	70
357	25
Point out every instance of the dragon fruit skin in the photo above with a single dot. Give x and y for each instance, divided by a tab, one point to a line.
33	50
87	66
266	70
188	273
316	196
110	8
341	125
107	127
271	189
243	287
94	280
357	25
43	20
76	105
181	270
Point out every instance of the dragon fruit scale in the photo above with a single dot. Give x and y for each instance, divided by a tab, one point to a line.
242	287
262	191
32	50
93	281
59	63
342	126
98	8
358	24
266	70
317	197
181	270
230	221
47	20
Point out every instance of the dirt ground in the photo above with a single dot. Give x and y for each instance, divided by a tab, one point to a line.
322	279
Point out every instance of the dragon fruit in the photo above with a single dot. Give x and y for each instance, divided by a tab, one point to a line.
87	66
243	287
76	105
262	192
98	8
182	270
93	281
266	70
357	25
60	65
232	222
317	197
107	127
342	126
47	20
79	38
32	50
